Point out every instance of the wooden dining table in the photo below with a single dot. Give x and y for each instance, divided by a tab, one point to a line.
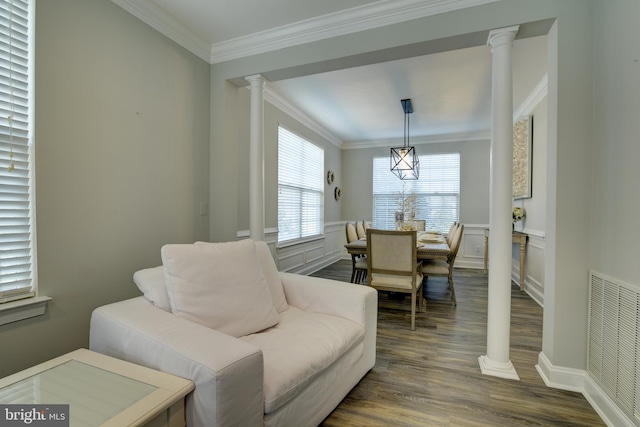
426	250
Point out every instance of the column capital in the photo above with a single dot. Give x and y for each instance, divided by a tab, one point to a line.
256	79
502	35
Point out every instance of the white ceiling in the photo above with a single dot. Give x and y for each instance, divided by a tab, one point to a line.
450	91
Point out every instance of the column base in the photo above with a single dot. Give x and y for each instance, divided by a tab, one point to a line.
495	369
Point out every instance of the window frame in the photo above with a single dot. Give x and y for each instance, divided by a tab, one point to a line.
18	135
384	201
292	184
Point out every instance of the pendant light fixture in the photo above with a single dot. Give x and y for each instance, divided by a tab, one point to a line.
404	160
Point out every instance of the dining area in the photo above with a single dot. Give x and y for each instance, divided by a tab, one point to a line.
401	260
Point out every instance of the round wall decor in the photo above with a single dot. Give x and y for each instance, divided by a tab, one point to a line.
337	193
330	177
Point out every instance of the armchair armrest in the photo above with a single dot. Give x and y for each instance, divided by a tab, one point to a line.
328	296
358	303
227	372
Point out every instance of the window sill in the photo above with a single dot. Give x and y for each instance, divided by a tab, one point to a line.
22	309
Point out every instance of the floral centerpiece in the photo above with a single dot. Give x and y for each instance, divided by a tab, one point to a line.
518	214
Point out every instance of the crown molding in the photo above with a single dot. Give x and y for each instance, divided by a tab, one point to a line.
529	104
375	15
379	14
154	16
482	135
278	101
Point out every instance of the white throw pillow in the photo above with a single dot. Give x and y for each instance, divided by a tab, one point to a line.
272	275
150	281
219	285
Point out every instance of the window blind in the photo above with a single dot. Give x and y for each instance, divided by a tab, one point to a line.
437	192
16	245
300	187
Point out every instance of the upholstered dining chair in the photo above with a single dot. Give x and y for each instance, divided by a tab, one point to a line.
445	268
452	232
360	230
393	265
358	263
421	224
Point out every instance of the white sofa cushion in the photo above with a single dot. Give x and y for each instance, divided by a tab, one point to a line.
150	281
299	349
272	275
219	285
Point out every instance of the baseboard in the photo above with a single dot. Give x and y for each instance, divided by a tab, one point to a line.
610	413
579	381
558	376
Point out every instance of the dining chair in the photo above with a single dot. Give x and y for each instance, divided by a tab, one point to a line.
445	268
360	230
421	224
452	232
358	263
393	265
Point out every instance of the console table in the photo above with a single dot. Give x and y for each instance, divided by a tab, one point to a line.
101	391
516	237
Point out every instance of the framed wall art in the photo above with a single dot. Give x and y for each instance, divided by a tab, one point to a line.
522	153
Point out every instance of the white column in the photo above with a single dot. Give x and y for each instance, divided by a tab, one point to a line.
256	158
496	362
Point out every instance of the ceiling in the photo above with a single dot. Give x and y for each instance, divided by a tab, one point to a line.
450	91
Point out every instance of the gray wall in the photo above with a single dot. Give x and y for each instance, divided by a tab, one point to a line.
122	134
357	169
614	226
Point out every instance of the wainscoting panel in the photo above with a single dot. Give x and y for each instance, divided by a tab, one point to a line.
312	255
534	281
471	252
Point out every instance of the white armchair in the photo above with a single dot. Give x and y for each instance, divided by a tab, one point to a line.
293	373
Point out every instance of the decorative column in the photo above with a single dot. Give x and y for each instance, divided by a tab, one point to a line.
496	362
256	158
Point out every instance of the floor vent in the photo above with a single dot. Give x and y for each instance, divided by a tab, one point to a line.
614	340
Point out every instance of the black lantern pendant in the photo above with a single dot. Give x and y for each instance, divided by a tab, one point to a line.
404	160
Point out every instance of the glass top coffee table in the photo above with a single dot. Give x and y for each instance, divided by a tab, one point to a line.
100	391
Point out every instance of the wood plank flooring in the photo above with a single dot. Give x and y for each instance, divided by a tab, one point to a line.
431	376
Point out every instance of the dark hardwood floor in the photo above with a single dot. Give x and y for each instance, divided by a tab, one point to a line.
431	376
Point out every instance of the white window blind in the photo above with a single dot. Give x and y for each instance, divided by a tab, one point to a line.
437	192
300	187
16	237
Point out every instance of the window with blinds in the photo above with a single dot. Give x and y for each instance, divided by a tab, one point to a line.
300	187
437	192
16	201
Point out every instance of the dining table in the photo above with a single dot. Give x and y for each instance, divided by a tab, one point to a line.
430	246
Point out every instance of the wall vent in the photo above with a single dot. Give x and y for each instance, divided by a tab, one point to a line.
614	341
